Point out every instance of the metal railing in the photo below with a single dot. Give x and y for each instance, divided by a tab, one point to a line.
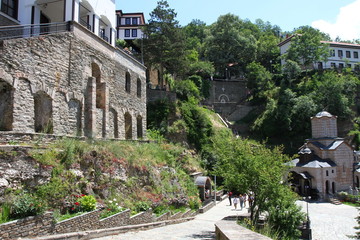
85	24
23	31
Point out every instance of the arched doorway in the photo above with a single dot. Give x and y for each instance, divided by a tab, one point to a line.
43	113
333	187
6	106
327	187
357	182
128	126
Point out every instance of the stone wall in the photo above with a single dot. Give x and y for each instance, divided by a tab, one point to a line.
225	95
157	94
230	230
28	227
72	84
44	225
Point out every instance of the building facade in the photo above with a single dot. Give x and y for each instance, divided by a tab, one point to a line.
129	25
341	55
326	162
71	82
96	15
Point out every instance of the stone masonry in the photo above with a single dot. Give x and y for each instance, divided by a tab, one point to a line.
71	84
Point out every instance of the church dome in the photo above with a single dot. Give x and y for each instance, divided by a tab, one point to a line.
323	114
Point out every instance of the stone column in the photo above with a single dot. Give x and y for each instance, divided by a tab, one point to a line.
90	108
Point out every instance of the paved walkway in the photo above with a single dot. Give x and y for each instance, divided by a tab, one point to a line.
202	227
328	222
331	222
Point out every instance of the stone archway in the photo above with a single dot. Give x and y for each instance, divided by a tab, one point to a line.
327	187
128	126
113	119
43	113
6	106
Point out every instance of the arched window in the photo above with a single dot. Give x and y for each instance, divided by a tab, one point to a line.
43	113
128	126
100	87
6	106
127	82
138	89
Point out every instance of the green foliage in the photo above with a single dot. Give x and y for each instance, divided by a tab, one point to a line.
306	47
187	89
164	46
140	206
112	207
199	125
27	204
87	203
260	171
158	113
160	210
5	211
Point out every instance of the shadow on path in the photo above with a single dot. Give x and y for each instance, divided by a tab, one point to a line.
206	235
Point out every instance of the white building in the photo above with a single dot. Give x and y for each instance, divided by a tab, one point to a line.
341	55
96	15
129	25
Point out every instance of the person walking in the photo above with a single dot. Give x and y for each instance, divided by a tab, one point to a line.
230	195
241	198
235	201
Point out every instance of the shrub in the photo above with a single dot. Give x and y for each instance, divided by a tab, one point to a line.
87	203
26	205
5	213
112	207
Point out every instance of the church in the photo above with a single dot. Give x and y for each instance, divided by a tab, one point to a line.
326	162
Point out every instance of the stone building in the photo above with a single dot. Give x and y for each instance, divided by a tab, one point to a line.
71	81
325	163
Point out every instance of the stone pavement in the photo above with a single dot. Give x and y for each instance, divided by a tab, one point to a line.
202	227
329	221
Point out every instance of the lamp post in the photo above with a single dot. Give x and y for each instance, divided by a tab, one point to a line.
215	189
307	212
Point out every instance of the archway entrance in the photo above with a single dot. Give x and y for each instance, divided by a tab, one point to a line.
327	187
43	113
6	106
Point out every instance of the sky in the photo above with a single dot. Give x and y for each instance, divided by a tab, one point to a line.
338	18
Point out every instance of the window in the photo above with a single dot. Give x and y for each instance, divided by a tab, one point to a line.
357	67
356	55
341	65
332	52
127	32
327	173
332	171
340	53
134	21
127	82
127	21
134	32
10	7
138	91
348	65
348	54
333	65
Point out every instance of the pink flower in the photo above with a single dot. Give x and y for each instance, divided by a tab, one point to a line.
77	203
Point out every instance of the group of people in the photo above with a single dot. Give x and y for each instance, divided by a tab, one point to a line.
240	199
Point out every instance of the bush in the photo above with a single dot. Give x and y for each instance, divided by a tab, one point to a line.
88	203
111	208
5	213
26	205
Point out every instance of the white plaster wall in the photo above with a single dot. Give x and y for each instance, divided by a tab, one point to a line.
104	8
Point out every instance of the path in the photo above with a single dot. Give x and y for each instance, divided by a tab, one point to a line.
202	227
331	222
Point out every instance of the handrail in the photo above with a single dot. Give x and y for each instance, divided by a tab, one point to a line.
30	30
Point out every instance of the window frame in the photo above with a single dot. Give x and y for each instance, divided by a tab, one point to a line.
5	6
340	53
133	31
127	33
348	54
134	21
127	21
356	54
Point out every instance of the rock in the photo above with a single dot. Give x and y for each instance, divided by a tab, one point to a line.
3	183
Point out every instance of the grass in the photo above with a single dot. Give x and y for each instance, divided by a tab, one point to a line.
357	204
61	217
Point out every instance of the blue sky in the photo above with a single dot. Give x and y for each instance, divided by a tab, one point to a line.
336	17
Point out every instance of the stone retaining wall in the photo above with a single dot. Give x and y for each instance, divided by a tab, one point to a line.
230	230
44	224
28	227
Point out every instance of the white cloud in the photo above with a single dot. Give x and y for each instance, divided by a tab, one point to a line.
347	25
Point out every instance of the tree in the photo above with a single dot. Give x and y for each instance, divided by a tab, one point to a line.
228	44
249	167
306	47
164	45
